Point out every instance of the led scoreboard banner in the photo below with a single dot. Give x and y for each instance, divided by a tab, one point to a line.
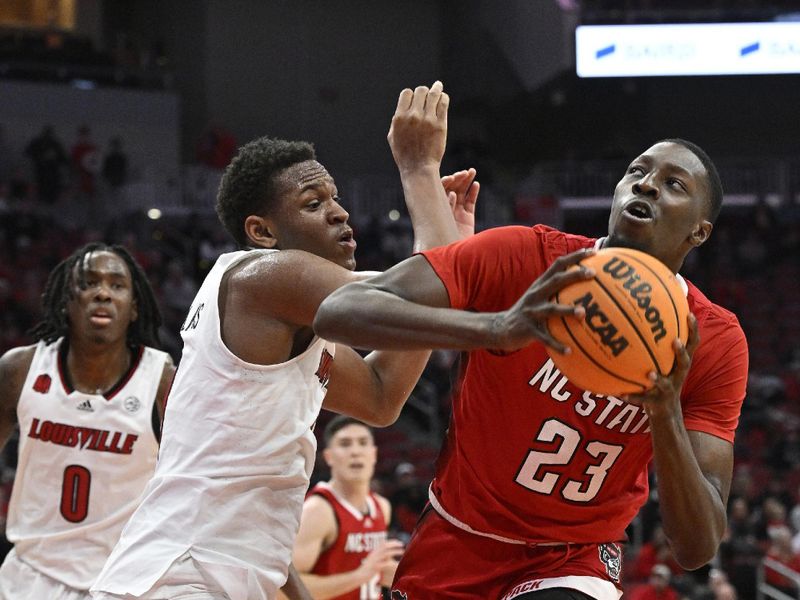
687	49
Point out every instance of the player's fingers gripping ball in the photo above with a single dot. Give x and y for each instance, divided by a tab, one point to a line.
635	308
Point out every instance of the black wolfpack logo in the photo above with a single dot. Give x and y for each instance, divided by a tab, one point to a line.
611	557
398	595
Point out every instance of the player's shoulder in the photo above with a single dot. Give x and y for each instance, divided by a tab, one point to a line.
555	242
707	312
17	359
270	268
547	236
319	506
714	321
14	366
384	504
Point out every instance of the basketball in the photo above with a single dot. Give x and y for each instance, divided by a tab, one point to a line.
635	308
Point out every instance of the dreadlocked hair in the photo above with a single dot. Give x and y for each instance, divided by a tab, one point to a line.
58	291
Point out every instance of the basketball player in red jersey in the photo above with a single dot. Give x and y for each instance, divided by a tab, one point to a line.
88	398
538	479
341	549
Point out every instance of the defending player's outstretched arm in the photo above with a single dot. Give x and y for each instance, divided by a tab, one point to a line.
375	388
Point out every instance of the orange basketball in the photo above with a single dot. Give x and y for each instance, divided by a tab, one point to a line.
635	308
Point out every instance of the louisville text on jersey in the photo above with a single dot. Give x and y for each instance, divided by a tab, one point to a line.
85	438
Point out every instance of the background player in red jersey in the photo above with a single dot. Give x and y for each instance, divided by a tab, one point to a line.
341	549
88	398
537	475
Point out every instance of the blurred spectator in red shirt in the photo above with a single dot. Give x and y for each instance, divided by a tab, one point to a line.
658	587
216	148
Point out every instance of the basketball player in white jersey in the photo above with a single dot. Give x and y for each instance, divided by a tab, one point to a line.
219	518
88	398
342	551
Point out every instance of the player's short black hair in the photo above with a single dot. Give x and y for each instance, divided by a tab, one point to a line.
246	188
714	181
340	422
58	291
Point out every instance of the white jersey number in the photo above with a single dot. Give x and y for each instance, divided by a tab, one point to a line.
371	590
570	440
75	493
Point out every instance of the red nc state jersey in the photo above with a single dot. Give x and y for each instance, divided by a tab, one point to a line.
359	534
529	456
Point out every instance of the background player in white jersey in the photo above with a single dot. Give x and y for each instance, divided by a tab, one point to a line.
341	549
219	517
88	398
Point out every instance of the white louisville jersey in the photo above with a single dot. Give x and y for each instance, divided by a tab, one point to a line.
83	463
236	455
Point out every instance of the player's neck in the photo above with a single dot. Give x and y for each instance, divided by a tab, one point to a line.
95	369
355	492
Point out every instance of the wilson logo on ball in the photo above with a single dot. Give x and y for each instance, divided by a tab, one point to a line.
635	307
620	269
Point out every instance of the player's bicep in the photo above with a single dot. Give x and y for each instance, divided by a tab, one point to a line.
317	526
715	459
167	375
353	387
14	366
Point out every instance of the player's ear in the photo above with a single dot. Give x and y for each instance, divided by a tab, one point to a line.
134	310
326	456
260	232
701	232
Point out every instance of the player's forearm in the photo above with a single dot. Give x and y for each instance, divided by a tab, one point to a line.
294	589
329	586
428	208
692	512
362	315
397	374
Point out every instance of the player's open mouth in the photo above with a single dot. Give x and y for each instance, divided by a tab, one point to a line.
638	211
347	239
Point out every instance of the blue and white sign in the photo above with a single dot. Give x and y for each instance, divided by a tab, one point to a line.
688	49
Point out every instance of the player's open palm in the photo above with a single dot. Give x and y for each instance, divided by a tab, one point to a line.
382	560
526	320
418	133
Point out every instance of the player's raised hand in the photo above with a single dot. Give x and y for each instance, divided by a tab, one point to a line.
526	320
462	193
418	133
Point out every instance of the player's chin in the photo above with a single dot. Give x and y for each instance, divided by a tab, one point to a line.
348	262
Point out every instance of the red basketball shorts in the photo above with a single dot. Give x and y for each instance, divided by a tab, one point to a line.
443	562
